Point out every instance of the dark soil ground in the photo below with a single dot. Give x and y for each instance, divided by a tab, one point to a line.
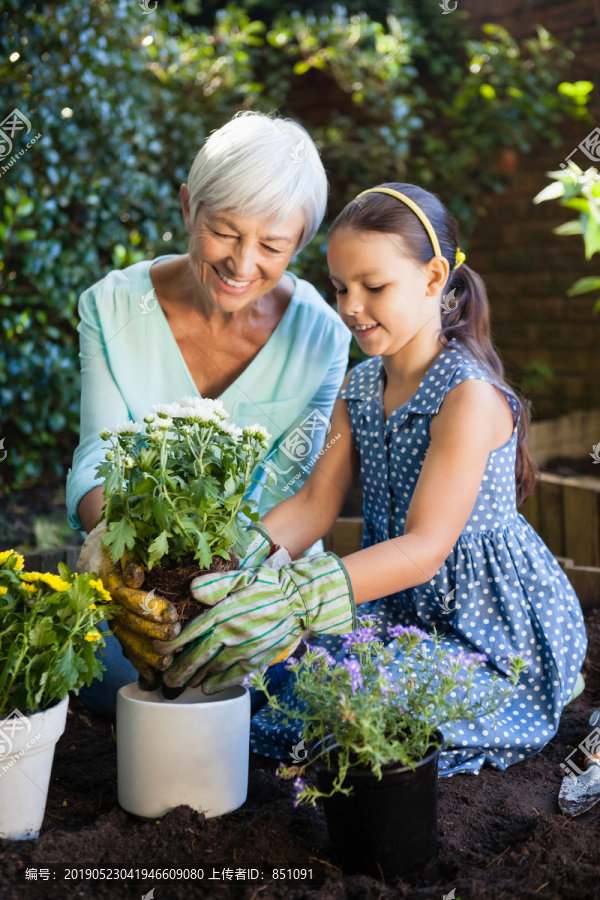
502	834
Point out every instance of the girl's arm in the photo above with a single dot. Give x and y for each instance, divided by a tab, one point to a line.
292	456
305	517
462	436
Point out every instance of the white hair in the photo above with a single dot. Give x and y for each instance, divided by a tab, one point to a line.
261	166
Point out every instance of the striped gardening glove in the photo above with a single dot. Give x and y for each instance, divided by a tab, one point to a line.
258	617
140	617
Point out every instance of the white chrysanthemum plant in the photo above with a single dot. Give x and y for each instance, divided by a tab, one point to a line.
176	488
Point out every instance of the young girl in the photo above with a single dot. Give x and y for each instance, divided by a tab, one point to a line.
439	439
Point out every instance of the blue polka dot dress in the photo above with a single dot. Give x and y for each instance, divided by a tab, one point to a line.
499	592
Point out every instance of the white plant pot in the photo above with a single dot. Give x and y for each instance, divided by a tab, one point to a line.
193	750
26	754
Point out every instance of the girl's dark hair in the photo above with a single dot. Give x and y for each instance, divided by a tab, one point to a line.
468	322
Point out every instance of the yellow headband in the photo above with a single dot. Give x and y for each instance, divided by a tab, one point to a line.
460	256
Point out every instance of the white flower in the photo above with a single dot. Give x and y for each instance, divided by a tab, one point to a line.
259	432
231	430
206	406
165	423
165	410
201	415
191	401
126	428
218	409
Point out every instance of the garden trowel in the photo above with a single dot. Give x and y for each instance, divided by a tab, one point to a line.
580	793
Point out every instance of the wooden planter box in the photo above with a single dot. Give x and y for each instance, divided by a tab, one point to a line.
48	560
565	512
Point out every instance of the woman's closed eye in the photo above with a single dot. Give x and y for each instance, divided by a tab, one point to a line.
221	235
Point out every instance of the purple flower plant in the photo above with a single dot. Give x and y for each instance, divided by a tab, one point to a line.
324	654
384	683
353	667
360	636
299	785
470	660
397	631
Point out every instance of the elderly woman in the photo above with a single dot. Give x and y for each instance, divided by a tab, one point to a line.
225	320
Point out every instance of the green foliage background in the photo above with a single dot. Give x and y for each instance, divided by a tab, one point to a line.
408	96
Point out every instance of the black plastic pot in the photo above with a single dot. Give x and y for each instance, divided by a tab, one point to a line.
384	828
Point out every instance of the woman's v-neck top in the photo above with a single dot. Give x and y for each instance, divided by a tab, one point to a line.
130	360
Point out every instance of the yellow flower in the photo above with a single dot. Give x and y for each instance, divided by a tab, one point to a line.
54	581
30	588
93	636
6	553
96	583
3	591
92	606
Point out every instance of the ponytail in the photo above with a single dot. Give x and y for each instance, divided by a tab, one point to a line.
465	308
467	321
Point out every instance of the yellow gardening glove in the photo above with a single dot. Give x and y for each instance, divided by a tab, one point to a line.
139	617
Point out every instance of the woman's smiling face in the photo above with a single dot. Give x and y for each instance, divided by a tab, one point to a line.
384	297
238	259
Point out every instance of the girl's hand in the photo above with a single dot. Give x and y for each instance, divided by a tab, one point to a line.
259	616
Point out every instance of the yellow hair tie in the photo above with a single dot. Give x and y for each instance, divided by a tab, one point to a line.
460	258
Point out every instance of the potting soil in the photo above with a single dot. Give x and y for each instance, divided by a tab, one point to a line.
174	584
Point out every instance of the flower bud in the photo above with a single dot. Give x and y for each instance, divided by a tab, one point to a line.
109	455
105	434
149	418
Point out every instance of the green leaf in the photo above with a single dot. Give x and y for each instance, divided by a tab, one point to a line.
66	671
584	285
24	206
42	634
550	192
581	204
222	553
573	227
158	548
112	483
120	536
229	487
203	554
25	235
591	237
160	511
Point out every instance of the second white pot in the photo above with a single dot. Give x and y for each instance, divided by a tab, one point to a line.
26	755
193	750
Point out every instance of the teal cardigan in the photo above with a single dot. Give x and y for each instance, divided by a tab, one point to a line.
130	360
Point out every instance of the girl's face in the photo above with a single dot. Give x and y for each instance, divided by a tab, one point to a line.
384	297
238	259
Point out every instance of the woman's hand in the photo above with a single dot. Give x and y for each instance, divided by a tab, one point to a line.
258	617
140	617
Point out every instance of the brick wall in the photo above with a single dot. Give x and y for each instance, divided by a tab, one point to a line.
528	269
